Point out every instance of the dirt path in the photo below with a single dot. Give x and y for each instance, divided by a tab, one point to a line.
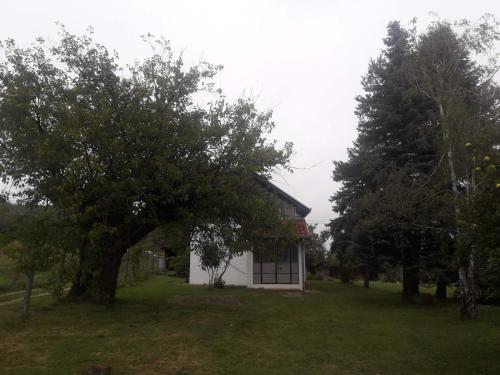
12	301
17	292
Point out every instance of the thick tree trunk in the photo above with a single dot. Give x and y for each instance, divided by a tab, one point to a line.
81	281
30	278
366	277
107	278
410	283
100	284
441	288
97	277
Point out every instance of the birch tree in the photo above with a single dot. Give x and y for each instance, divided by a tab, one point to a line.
445	69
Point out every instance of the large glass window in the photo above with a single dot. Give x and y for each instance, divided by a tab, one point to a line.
277	263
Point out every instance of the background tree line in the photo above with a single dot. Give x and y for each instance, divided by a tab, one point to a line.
420	187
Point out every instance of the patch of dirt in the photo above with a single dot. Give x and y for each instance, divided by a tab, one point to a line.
16	348
204	300
180	362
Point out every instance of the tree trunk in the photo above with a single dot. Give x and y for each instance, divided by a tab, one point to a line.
97	275
100	284
468	307
83	276
410	283
30	278
441	288
107	278
366	277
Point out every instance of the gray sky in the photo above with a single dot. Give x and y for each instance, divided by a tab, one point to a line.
303	59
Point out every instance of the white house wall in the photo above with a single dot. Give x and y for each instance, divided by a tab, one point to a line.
236	273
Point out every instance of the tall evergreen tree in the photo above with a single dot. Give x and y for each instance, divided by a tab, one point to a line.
425	160
395	150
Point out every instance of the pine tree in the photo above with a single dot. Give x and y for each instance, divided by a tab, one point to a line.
395	152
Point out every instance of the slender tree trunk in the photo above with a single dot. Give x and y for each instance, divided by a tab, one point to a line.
30	278
441	288
468	308
366	277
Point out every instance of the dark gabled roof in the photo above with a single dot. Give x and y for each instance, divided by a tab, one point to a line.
301	208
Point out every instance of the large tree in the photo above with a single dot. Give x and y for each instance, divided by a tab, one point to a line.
423	165
121	150
394	151
446	68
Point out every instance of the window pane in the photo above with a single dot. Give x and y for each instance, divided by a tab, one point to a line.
268	255
284	278
295	259
256	267
283	268
269	267
295	255
295	278
256	279
269	278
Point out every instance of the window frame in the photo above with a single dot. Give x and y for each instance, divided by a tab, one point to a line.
258	259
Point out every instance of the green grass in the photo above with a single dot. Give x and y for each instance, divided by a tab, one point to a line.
340	329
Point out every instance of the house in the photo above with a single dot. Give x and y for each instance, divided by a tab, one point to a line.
282	268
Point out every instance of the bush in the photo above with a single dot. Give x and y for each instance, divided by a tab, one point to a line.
219	283
180	264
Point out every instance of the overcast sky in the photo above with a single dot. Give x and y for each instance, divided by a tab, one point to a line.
302	59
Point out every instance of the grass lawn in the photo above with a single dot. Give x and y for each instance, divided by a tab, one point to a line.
163	326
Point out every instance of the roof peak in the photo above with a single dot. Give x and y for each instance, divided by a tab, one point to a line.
301	208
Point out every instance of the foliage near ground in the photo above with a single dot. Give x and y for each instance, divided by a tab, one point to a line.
162	326
13	281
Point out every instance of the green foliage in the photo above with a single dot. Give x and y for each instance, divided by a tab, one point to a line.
216	245
316	254
31	246
383	181
180	264
425	157
123	150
